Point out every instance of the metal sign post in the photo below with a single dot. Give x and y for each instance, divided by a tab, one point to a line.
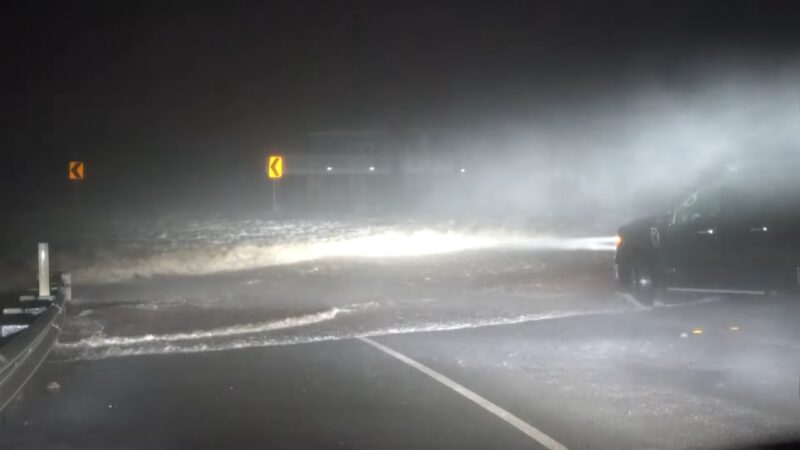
76	174
76	195
275	195
275	173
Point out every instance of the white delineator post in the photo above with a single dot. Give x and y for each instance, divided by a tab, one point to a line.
44	270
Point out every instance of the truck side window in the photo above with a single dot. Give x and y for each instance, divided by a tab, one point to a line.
699	207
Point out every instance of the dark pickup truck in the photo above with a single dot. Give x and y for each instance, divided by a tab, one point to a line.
739	236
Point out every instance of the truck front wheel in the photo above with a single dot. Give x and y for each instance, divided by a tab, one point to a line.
640	283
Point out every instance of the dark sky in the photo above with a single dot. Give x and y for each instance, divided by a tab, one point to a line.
126	81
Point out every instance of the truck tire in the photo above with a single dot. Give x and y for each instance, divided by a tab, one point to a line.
640	282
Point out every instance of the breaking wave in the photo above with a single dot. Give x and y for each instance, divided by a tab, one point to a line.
236	256
102	341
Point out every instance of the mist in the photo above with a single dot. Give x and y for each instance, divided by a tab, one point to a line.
634	151
631	148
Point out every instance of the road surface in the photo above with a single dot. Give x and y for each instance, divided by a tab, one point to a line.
509	345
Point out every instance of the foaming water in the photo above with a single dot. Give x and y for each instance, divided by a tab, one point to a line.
101	340
101	347
243	255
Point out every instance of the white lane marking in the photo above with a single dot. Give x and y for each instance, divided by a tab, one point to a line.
636	304
534	433
716	291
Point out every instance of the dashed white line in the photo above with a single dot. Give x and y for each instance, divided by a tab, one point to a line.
636	304
532	432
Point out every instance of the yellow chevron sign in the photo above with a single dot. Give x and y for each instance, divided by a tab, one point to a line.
275	166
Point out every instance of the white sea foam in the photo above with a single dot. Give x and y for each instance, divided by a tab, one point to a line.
257	335
99	341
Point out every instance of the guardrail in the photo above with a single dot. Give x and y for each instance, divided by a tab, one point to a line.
30	326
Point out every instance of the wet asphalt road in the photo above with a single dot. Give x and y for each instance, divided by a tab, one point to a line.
482	349
330	395
623	380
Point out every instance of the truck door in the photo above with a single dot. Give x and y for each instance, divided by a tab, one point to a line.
689	245
758	252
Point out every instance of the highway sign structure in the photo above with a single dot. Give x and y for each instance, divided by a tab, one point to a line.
76	170
275	167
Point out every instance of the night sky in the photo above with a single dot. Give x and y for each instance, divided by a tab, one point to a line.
164	89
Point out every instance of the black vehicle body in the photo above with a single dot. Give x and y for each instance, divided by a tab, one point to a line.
740	235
